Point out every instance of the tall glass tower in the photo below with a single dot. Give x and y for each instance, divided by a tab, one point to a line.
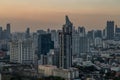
65	56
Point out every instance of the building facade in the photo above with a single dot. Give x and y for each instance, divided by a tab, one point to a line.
44	45
22	51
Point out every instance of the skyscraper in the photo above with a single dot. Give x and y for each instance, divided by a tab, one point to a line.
110	30
83	45
66	45
90	36
98	33
44	45
8	31
117	32
27	33
81	31
0	33
104	34
75	43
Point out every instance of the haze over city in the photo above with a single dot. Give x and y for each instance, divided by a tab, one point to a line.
43	14
59	40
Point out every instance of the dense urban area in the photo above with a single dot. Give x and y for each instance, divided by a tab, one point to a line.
71	53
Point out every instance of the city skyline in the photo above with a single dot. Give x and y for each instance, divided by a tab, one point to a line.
65	54
45	14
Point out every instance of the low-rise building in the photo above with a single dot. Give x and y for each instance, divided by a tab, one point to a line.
67	74
117	69
49	70
46	70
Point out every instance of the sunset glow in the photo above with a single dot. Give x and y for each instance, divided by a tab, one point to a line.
42	14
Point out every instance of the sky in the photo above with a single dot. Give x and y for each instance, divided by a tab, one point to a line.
43	14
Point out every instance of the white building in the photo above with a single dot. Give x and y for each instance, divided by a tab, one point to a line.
117	69
67	74
46	70
22	51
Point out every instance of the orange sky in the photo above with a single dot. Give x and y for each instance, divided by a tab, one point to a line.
43	14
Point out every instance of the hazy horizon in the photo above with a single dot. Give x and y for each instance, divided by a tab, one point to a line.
43	14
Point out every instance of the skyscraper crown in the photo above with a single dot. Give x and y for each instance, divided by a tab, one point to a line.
67	20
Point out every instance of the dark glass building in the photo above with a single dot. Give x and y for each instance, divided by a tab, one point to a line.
81	29
8	31
44	44
98	33
27	33
110	30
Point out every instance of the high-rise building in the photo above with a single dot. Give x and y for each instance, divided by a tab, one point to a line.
117	32
22	51
98	42
8	31
104	34
18	35
4	34
110	30
90	34
41	32
83	45
98	33
27	33
54	37
0	33
75	43
65	60
81	31
35	39
44	44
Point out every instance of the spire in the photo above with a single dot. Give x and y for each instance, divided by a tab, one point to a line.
67	20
